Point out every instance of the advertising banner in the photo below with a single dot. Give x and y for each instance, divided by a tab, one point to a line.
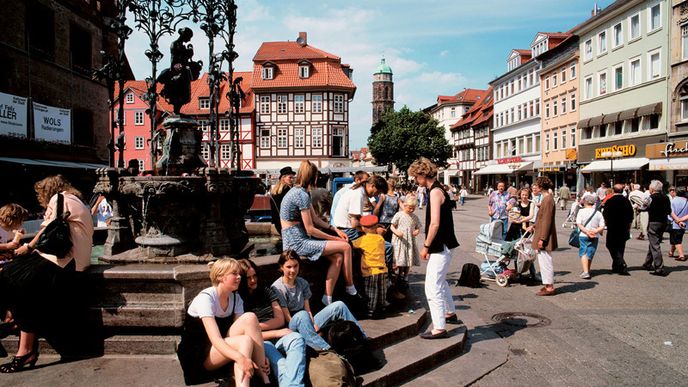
52	123
13	115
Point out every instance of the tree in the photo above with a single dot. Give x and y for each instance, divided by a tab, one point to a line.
401	137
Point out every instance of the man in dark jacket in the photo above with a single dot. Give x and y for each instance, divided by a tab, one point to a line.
658	210
618	216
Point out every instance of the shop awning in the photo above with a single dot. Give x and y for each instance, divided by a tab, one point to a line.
674	164
595	121
52	163
630	164
627	114
584	123
505	169
609	118
655	108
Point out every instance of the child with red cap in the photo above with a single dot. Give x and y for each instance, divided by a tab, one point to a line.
373	266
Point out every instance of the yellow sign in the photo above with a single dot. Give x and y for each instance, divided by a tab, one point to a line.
626	151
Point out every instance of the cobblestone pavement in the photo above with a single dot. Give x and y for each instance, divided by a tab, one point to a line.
610	330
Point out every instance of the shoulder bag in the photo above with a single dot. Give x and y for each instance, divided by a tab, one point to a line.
574	240
56	238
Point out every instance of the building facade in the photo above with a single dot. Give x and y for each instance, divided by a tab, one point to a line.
672	157
624	80
302	99
448	111
559	95
54	115
383	90
471	141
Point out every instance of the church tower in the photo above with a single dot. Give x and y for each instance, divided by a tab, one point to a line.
383	90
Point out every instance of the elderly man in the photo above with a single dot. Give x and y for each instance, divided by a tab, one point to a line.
618	216
658	210
564	195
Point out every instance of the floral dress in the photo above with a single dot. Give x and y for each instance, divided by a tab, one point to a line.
405	249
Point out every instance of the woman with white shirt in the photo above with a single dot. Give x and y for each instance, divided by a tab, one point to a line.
591	225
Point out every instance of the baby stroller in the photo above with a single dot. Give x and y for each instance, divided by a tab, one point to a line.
489	243
570	221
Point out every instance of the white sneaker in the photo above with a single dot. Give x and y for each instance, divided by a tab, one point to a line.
585	275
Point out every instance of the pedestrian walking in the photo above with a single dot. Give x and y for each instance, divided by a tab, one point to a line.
602	191
590	223
679	216
462	195
439	242
545	235
639	201
564	196
618	216
658	210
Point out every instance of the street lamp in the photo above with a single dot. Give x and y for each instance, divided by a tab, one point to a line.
611	155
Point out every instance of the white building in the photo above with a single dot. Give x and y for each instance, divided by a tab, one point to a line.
516	131
302	97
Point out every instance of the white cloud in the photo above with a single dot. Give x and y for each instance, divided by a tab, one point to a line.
444	53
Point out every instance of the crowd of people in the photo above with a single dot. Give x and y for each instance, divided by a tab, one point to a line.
615	210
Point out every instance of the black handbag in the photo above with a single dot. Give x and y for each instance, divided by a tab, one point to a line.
55	238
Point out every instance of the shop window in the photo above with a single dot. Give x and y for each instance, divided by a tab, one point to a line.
635	124
618	128
602	131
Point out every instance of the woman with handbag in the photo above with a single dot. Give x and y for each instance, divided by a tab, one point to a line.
44	279
590	224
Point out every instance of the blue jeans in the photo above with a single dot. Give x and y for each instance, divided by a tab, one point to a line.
301	322
290	370
462	200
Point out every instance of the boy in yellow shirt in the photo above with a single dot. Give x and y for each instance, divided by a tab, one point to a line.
373	267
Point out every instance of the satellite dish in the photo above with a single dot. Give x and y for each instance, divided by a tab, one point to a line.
300	40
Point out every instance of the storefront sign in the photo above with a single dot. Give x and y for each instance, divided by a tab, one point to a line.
13	111
626	151
509	160
665	150
52	123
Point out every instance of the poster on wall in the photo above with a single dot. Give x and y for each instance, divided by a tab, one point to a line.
13	112
52	124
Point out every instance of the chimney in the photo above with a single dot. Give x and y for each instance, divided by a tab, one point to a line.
303	39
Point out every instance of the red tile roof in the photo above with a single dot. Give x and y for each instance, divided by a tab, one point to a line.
199	89
274	51
480	112
323	73
140	88
465	96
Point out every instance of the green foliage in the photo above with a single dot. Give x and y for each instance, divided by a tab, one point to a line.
401	137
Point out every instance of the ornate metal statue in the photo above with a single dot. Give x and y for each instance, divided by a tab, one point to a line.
177	79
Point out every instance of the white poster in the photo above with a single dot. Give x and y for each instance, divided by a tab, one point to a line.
52	124
13	111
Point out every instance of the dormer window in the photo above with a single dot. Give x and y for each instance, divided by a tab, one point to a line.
304	68
304	71
204	103
130	98
267	73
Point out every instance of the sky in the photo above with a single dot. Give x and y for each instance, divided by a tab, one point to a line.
434	47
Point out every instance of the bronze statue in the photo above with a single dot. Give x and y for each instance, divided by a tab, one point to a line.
177	79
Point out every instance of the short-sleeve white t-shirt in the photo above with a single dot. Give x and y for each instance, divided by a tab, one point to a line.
585	213
207	304
351	203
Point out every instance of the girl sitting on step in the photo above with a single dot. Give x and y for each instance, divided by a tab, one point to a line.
293	294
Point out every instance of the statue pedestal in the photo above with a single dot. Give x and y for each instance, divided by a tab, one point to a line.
182	147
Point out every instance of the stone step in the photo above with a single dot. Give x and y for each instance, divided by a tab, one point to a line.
114	345
394	328
149	315
407	359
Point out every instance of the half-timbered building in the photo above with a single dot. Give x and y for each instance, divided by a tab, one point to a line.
301	97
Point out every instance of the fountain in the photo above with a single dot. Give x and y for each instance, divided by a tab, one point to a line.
186	211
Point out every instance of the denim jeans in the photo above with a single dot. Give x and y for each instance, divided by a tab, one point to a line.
290	370
301	322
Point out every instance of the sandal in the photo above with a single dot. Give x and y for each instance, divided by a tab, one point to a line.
682	259
19	362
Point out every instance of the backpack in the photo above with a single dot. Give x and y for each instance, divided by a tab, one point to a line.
347	340
327	369
470	276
